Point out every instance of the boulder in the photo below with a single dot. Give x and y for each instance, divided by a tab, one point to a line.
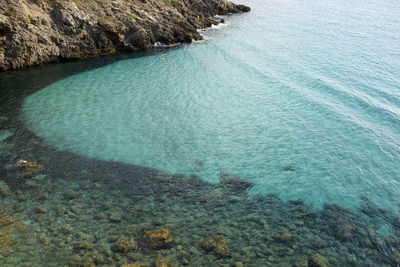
317	260
159	238
217	244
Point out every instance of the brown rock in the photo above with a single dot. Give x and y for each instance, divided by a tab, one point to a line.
283	236
70	194
125	245
301	263
40	210
84	245
317	260
28	168
37	32
136	265
4	189
217	244
115	217
162	262
159	238
236	184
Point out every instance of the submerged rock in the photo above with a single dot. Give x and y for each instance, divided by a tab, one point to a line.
115	217
84	245
9	226
317	260
136	265
4	134
4	189
185	257
125	245
288	168
218	245
70	194
235	183
283	236
28	168
159	238
162	262
301	263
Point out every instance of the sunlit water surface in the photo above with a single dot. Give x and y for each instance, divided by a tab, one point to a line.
300	97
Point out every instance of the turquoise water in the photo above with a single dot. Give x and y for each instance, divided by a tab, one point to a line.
300	97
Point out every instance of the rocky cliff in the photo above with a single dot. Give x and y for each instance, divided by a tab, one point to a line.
34	32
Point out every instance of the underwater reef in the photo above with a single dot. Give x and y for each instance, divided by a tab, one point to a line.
43	31
70	210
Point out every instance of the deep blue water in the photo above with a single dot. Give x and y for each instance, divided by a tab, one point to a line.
302	97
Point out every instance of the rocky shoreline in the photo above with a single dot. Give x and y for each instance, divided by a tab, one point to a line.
43	31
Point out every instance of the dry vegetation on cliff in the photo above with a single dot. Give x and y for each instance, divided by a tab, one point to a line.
42	31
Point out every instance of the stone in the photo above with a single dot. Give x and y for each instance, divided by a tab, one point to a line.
84	245
21	196
284	236
115	217
301	263
28	168
185	257
136	265
159	238
4	189
288	168
396	256
100	216
235	183
70	194
8	228
66	229
162	262
218	245
33	184
43	197
40	210
44	240
125	245
134	256
38	32
317	260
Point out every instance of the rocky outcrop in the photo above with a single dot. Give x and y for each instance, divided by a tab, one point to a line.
34	32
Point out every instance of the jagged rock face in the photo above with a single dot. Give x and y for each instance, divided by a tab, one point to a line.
34	32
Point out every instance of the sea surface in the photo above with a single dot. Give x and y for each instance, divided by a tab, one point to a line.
300	97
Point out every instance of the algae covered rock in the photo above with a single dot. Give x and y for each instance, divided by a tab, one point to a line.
185	257
115	217
284	236
301	263
218	245
28	168
84	245
4	189
9	226
70	194
125	245
163	262
317	260
159	238
236	184
136	265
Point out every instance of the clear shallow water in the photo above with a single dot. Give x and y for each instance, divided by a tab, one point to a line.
311	85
